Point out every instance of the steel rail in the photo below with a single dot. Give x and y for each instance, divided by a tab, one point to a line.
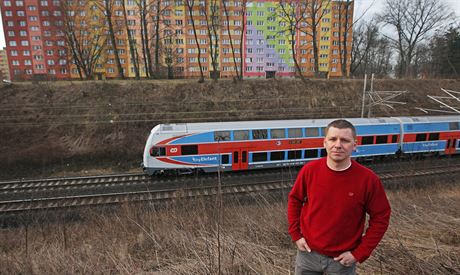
15	206
128	179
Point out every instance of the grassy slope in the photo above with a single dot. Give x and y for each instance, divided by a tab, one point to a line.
181	238
63	128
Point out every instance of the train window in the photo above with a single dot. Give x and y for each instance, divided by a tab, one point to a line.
323	131
278	133
295	132
277	155
420	137
311	132
433	136
241	135
244	157
189	149
235	157
259	157
295	154
224	159
157	151
323	152
221	135
453	126
313	153
381	139
367	140
394	139
260	134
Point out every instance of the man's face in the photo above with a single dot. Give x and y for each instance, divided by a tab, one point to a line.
339	144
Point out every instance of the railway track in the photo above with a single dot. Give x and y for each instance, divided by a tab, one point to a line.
20	196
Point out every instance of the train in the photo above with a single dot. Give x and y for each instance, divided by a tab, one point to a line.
186	148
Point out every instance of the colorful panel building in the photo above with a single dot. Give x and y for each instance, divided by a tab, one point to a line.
50	38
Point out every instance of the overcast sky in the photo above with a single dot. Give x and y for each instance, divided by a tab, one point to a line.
360	7
375	6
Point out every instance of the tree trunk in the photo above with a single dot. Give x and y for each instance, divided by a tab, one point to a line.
131	43
108	12
190	9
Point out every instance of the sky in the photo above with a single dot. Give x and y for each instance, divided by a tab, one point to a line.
375	6
372	7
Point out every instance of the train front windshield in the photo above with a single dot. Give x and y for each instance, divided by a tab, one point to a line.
157	151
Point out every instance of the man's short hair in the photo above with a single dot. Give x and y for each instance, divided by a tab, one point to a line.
341	124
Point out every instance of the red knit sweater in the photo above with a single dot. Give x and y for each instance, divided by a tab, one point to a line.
328	208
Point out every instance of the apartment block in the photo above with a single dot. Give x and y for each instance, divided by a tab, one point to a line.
35	44
171	38
4	69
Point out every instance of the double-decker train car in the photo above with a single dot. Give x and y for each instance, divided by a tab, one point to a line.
243	145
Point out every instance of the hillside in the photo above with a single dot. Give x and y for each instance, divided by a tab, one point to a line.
64	128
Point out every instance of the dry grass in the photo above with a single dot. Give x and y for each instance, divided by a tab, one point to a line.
181	237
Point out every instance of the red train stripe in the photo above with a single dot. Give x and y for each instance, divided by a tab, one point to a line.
166	141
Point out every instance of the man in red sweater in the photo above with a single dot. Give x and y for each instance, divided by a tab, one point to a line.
327	208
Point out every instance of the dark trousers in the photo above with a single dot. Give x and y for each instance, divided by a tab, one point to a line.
313	263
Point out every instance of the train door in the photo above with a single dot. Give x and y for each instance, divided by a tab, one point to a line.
451	145
240	159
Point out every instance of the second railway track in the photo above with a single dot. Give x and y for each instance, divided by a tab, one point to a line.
102	191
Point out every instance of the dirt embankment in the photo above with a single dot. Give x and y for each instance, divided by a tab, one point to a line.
64	127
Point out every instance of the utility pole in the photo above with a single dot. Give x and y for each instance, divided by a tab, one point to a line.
382	98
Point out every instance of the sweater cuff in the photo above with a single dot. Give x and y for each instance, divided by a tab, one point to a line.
360	256
296	236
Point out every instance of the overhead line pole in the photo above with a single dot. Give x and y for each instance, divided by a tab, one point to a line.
364	95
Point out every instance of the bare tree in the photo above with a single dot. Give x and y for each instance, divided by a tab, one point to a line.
371	53
230	37
313	15
132	44
243	30
291	15
212	17
145	9
172	59
157	13
85	40
190	4
106	7
345	10
414	20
